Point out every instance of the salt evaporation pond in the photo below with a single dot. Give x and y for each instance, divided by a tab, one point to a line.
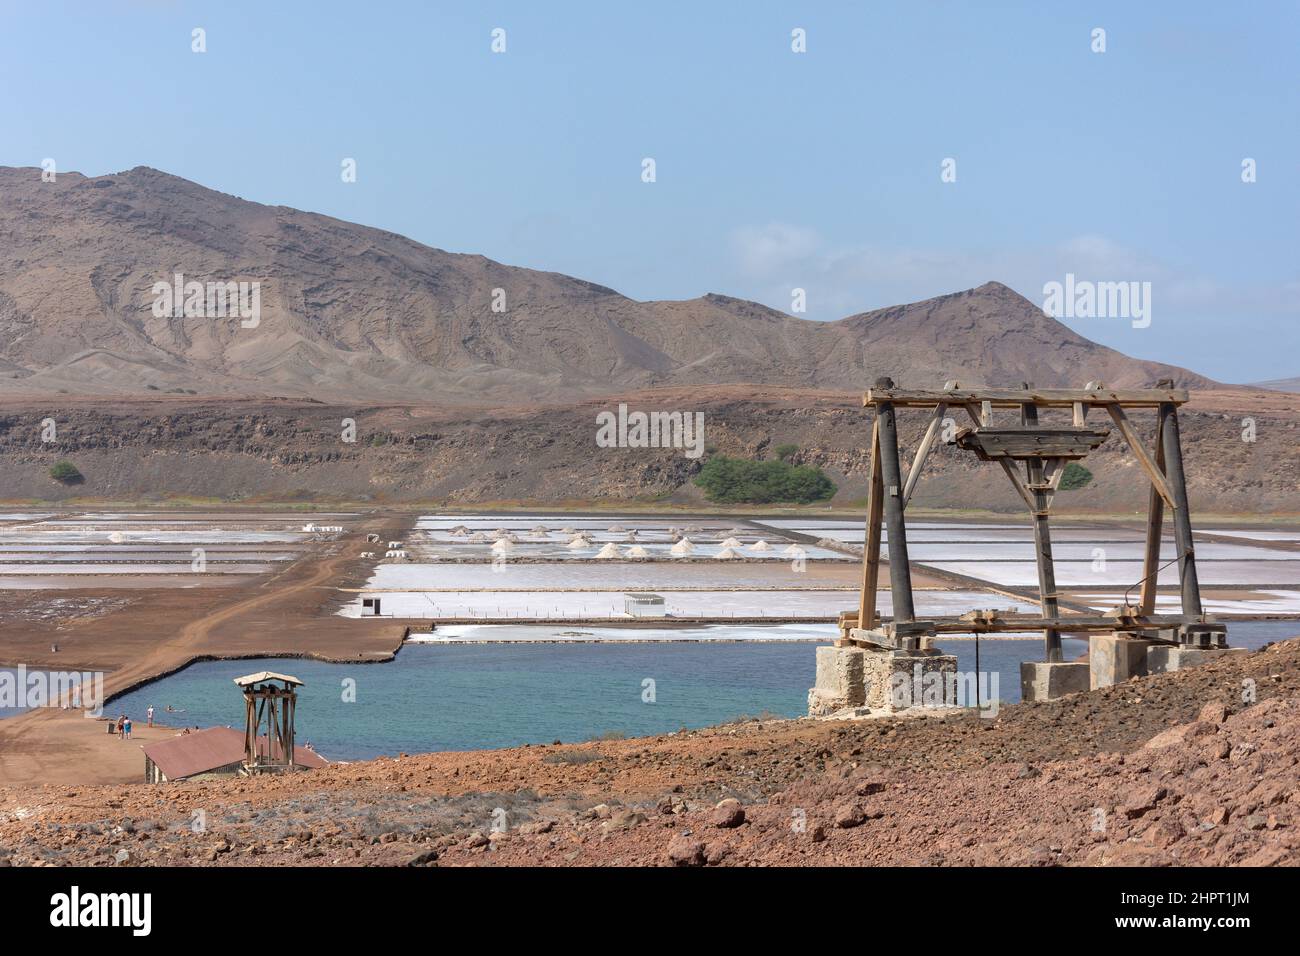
1088	551
1267	602
1086	574
736	603
610	575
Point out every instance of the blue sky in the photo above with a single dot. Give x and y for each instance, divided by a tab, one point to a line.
774	169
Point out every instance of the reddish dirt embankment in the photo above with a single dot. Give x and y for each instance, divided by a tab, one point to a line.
1197	767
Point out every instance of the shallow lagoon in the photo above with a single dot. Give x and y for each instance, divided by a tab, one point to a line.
501	694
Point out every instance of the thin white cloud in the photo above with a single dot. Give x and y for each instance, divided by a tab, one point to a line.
772	259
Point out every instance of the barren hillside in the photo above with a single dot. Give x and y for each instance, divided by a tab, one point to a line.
351	313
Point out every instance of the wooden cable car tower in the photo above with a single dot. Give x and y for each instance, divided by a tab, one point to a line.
1044	451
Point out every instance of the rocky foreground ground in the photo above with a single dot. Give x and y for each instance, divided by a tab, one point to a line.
1198	767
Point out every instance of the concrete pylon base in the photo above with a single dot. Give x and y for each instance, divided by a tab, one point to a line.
882	680
1163	658
839	681
1114	658
1050	680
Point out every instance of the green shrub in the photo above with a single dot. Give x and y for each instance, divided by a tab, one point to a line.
738	481
1076	476
65	471
785	452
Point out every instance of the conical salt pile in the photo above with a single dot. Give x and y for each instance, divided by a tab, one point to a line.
726	554
730	543
502	546
568	531
478	537
616	529
540	529
609	551
459	531
681	548
760	545
636	551
500	533
793	551
579	542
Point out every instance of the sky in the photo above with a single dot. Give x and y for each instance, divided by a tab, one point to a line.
912	149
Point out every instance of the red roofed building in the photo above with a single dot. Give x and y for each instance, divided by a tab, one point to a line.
215	751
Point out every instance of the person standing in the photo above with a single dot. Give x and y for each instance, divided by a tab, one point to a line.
149	715
120	719
126	727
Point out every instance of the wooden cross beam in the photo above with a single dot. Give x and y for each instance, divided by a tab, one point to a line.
1015	397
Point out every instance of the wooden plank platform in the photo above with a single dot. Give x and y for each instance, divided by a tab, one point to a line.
1029	444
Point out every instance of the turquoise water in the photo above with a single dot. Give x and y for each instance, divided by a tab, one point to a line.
476	696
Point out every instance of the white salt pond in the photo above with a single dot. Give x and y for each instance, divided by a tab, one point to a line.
610	575
1068	551
960	534
559	550
141	567
540	575
139	549
493	633
26	535
681	604
1088	574
104	555
1268	602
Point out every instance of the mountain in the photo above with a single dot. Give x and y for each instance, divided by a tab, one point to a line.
1281	384
349	312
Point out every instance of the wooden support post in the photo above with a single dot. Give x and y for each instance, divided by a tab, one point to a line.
900	574
1172	444
1042	540
871	541
289	733
1155	531
923	451
250	734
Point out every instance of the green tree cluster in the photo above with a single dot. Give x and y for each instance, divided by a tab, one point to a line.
740	481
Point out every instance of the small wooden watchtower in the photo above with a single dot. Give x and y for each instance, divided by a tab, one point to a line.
269	698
